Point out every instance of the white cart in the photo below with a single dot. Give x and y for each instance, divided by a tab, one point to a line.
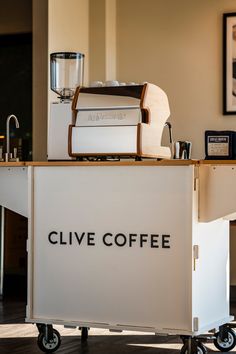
121	246
129	246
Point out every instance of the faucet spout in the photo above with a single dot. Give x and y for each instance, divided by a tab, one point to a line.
11	116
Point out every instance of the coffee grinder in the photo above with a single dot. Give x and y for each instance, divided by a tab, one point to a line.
66	73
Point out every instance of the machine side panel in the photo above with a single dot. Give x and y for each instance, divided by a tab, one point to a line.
58	124
112	246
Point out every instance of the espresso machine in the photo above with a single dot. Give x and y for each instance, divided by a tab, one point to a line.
119	121
66	73
107	121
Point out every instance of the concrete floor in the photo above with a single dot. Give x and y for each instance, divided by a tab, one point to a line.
17	337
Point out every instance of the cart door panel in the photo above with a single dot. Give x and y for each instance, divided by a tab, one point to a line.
112	246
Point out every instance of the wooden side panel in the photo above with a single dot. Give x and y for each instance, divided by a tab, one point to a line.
155	101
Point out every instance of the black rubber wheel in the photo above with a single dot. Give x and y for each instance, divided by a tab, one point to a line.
49	346
227	344
40	327
201	349
84	334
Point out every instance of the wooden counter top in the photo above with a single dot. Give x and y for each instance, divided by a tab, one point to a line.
217	162
12	164
101	163
147	162
114	163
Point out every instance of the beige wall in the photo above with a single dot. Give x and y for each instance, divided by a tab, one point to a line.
175	44
40	78
178	46
68	28
15	16
97	44
58	25
102	40
111	44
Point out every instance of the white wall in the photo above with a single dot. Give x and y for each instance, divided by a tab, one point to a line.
178	46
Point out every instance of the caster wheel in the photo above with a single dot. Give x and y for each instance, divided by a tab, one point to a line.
49	346
84	334
40	327
201	349
228	343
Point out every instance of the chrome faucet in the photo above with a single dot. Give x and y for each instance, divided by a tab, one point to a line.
8	155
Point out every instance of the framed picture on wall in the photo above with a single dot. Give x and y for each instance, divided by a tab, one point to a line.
229	63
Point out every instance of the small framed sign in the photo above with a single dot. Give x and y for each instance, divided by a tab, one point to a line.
229	63
220	145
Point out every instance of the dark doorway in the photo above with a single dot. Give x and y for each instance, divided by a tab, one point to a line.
16	89
16	98
15	256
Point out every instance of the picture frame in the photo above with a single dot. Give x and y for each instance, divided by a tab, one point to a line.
229	63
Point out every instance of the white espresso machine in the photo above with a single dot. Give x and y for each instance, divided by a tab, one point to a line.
66	73
119	121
